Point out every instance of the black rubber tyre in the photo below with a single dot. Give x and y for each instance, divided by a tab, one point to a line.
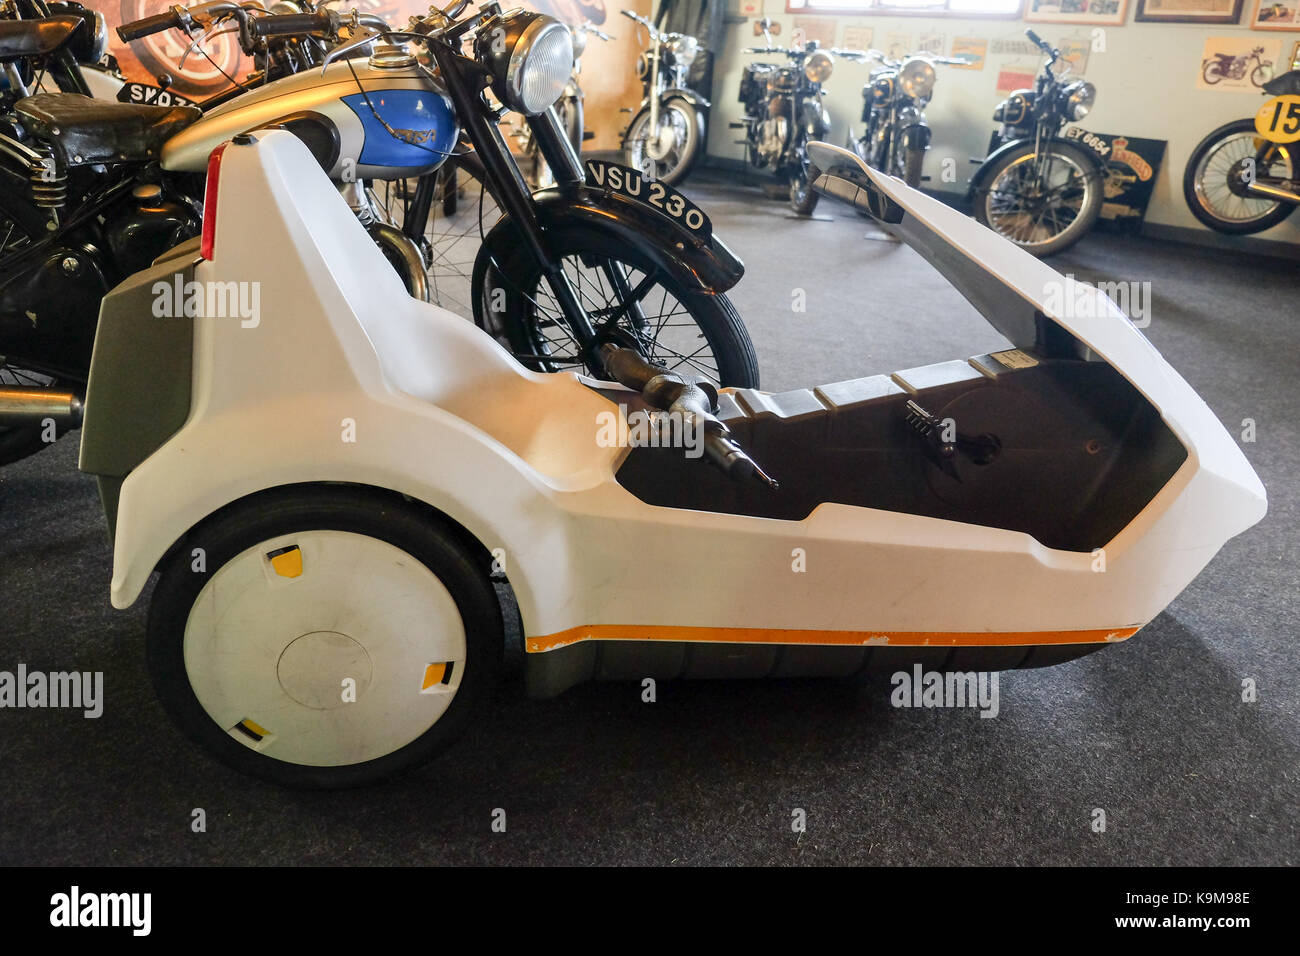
1090	181
803	198
516	326
337	508
912	167
1193	184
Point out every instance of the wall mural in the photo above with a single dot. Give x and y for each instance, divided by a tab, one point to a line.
608	78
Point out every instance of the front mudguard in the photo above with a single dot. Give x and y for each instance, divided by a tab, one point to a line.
917	136
697	262
678	93
981	176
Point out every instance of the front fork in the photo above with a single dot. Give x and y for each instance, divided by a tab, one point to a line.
654	92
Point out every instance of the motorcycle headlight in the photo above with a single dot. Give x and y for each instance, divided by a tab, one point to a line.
684	49
1079	97
530	56
818	67
916	78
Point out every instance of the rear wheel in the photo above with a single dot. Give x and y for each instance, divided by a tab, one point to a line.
1218	170
330	637
683	329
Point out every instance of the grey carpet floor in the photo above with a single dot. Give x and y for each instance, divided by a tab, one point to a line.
1152	731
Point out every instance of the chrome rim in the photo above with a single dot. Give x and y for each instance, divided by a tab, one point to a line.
1033	215
1219	163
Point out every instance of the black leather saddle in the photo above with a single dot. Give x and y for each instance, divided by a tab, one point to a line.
1286	83
22	38
99	131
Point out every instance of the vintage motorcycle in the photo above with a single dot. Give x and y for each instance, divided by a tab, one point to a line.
94	191
1244	177
784	112
569	108
1233	67
1037	189
666	136
895	136
324	613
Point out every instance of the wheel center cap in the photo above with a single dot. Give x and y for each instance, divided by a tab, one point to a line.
324	670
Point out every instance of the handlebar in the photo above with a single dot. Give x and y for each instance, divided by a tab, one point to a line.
1043	45
293	24
149	26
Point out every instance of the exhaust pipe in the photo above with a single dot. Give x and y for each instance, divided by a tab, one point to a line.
29	406
1264	191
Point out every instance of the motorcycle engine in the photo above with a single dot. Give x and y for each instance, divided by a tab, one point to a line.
773	134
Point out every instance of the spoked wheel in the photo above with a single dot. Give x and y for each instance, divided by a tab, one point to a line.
1221	166
463	211
627	298
1042	203
668	153
331	637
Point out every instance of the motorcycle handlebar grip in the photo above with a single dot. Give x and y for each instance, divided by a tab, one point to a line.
1035	39
292	24
148	26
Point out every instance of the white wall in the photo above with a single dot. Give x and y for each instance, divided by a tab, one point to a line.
1146	86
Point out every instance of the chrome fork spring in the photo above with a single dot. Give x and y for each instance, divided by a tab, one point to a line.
49	183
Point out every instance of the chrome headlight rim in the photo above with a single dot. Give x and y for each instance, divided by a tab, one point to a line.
916	77
819	66
1080	96
684	50
530	57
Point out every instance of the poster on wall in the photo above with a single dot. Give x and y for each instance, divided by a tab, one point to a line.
1238	64
1015	77
751	8
858	38
931	43
1295	56
1130	164
821	29
1099	12
1015	45
1074	52
974	49
1188	11
898	45
1276	15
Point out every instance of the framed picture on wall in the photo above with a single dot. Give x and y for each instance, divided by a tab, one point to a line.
1108	12
1188	11
1295	56
1276	15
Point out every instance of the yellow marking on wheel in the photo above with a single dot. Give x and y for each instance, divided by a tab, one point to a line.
287	562
253	728
433	675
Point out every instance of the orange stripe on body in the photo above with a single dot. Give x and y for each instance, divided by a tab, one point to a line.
757	635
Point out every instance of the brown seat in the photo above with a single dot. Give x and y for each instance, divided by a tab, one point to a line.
21	38
98	131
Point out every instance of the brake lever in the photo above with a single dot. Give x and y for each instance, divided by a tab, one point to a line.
219	30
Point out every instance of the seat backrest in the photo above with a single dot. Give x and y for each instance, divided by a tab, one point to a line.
23	38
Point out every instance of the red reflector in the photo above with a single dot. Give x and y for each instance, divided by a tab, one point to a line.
209	240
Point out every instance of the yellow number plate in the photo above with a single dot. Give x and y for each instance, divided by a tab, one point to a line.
1278	120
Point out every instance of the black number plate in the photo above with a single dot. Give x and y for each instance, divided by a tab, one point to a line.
662	198
151	95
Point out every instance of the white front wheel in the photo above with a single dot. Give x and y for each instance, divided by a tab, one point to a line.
668	152
324	638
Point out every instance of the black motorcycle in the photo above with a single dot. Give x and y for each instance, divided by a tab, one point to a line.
895	136
1035	188
784	113
84	202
